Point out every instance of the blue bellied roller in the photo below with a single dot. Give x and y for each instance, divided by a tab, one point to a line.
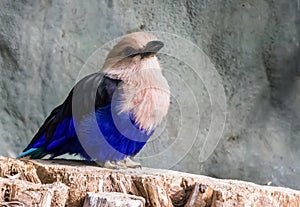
108	116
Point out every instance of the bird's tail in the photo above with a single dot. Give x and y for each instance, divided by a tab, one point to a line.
33	153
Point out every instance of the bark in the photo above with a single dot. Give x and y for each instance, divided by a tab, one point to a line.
75	183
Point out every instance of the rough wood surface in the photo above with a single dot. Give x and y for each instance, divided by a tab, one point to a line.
23	193
17	169
113	199
157	187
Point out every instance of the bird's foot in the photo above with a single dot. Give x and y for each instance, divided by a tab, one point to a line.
114	165
126	163
131	164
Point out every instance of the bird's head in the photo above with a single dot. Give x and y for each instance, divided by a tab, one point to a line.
136	51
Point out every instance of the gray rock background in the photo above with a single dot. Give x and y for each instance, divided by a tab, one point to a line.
254	46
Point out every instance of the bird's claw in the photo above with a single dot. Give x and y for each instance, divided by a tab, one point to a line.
114	165
126	163
131	164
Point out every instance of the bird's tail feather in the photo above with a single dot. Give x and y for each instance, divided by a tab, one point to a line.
33	153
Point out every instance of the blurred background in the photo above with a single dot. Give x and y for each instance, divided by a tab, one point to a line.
253	45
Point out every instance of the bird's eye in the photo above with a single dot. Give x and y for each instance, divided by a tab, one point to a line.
129	52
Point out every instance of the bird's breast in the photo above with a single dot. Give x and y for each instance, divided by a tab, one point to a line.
148	103
144	91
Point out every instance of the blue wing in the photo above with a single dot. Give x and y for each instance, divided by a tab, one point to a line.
58	136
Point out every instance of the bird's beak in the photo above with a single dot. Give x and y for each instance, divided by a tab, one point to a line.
153	47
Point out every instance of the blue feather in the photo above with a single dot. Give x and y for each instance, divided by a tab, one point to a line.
26	153
112	138
102	135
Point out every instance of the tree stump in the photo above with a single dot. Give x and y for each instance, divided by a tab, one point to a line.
70	182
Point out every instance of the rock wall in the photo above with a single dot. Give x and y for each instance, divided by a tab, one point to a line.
254	45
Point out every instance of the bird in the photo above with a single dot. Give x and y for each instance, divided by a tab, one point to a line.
109	115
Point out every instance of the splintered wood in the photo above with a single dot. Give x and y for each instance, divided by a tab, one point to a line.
77	183
23	193
113	199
